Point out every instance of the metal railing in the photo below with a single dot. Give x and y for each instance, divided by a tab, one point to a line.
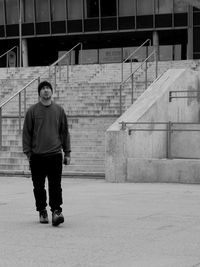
65	55
6	54
181	94
130	57
23	90
168	129
132	78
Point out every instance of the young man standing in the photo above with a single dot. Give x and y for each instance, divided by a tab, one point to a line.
45	137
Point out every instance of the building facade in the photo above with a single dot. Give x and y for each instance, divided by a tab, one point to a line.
47	27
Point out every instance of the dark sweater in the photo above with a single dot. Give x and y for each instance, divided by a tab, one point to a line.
45	130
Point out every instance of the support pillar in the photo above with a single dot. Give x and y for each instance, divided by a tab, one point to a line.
190	33
24	53
156	44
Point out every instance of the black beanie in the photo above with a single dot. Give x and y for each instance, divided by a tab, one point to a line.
43	84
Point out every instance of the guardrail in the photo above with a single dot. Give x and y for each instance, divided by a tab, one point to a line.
132	79
168	128
23	90
6	54
130	57
180	94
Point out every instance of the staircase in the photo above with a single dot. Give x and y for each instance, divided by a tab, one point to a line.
90	98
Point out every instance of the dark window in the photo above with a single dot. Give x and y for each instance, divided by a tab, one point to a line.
196	39
108	8
27	29
126	23
58	27
2	31
92	8
180	19
91	25
144	22
108	24
42	28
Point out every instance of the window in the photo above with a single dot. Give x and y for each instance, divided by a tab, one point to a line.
58	10
28	11
180	6
12	11
1	13
108	8
92	8
144	7
42	10
126	8
164	6
74	9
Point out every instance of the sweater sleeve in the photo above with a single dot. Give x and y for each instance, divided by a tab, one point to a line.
65	135
27	134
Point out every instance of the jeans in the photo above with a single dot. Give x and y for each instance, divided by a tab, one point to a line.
49	166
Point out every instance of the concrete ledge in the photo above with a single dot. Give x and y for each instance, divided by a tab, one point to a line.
163	170
65	174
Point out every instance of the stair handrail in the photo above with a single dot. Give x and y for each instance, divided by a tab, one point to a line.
9	52
6	53
23	89
131	55
132	77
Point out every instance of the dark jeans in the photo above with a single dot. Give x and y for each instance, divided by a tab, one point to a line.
51	167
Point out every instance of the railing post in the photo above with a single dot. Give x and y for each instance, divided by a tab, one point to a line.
67	72
156	61
20	102
122	70
123	126
168	145
132	81
81	57
24	102
146	68
0	127
55	77
120	99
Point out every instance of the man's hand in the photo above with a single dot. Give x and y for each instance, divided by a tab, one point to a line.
66	160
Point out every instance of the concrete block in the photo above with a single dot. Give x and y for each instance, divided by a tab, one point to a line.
163	170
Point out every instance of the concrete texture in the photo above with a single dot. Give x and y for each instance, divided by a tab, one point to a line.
107	225
163	170
151	141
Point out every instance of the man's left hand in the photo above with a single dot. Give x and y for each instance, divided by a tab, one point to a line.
66	160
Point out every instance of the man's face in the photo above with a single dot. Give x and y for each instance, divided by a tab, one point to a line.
46	93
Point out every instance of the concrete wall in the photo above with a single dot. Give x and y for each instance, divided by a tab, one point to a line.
122	148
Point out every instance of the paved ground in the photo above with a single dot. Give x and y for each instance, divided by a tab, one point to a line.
107	225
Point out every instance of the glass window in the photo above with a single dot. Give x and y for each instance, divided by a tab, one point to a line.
145	7
12	11
42	10
126	8
108	8
180	6
58	9
28	11
92	8
164	6
74	9
1	13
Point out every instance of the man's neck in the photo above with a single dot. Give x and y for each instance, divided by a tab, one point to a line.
46	102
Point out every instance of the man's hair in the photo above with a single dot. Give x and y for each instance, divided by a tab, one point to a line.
43	84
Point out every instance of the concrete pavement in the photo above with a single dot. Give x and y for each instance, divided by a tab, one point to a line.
106	225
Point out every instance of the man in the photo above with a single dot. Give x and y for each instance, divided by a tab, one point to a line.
45	137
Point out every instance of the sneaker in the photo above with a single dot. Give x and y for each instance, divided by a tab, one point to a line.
43	216
57	218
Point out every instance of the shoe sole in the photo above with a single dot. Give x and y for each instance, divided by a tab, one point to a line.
44	222
58	221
